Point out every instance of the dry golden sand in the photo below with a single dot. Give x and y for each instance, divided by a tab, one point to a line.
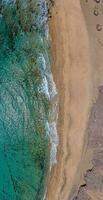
75	74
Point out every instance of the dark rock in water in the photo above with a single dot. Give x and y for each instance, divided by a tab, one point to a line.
25	103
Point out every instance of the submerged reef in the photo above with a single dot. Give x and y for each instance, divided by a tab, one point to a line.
27	100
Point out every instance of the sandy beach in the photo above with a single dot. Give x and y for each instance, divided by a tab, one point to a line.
73	74
77	46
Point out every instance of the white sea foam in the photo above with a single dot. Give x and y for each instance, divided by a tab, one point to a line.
53	121
54	143
48	87
41	61
43	16
44	87
53	90
52	132
44	198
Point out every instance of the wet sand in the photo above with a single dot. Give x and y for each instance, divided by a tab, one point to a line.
77	70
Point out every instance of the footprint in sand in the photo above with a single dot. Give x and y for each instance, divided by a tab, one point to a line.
97	1
99	27
96	12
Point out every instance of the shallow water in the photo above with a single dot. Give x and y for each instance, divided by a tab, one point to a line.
27	100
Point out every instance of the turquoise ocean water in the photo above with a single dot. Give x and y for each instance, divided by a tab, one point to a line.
28	137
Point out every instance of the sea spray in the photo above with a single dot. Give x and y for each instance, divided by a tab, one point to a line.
28	100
